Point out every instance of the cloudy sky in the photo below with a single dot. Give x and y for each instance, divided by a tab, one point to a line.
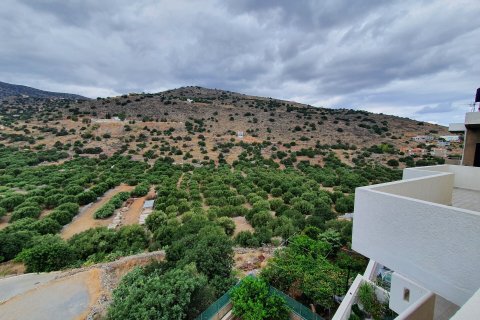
419	59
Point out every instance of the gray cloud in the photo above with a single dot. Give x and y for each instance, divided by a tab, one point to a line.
402	57
439	108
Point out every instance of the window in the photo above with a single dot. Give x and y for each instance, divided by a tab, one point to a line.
406	294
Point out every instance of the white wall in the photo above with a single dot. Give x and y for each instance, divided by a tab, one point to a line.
471	309
434	245
465	176
435	188
472	118
399	284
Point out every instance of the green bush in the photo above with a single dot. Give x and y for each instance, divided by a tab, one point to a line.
246	239
140	190
131	239
48	253
96	242
174	294
155	220
252	301
105	211
86	197
9	203
25	212
14	242
227	224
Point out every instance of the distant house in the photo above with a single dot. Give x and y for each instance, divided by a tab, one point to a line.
189	100
439	152
240	134
451	138
443	143
422	138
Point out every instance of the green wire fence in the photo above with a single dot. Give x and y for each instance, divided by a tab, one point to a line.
295	306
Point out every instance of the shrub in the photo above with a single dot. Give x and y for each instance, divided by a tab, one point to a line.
96	242
227	224
252	301
62	217
344	204
393	163
246	239
86	197
9	203
14	242
25	212
131	239
105	211
140	190
173	294
261	218
48	253
155	220
47	225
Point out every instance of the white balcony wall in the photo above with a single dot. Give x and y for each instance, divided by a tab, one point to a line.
437	188
464	176
436	246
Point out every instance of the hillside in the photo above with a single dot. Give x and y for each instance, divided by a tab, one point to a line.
15	90
75	177
194	124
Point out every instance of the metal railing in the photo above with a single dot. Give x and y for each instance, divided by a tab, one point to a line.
295	306
215	307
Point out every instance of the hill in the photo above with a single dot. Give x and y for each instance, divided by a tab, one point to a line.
67	200
199	125
12	90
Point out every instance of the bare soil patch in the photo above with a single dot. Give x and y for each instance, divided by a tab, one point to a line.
4	221
252	260
241	224
11	268
132	215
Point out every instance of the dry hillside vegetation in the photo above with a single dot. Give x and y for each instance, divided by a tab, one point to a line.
195	125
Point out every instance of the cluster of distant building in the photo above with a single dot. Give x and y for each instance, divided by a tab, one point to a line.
441	142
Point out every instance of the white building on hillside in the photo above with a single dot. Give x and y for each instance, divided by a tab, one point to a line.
422	138
451	138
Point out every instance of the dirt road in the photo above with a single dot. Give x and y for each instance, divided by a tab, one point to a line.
133	214
84	220
75	294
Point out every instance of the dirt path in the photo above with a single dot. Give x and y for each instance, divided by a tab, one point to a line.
84	220
241	224
4	221
45	213
133	214
180	180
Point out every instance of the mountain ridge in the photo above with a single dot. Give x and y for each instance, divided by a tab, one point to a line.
15	90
